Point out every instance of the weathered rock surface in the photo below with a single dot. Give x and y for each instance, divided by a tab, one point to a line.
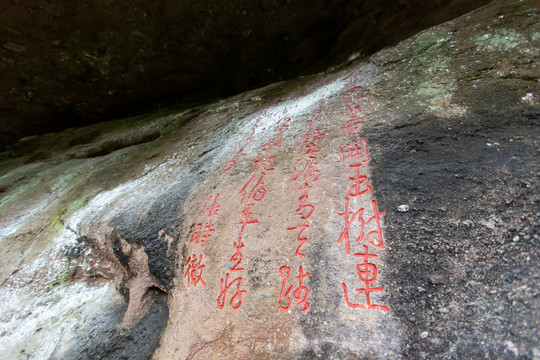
70	63
387	209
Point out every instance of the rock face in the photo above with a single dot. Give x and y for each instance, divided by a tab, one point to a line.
387	209
67	63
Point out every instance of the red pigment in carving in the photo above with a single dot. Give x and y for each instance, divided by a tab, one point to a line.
248	218
236	259
359	180
344	236
194	270
285	273
262	162
376	219
258	192
308	215
356	151
353	110
231	164
300	295
306	169
314	130
202	234
367	273
378	232
237	297
352	127
213	209
282	125
301	240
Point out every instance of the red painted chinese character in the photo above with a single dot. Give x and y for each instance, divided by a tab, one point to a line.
354	94
275	141
315	127
237	257
352	126
248	218
367	273
231	165
225	286
344	236
194	270
307	171
213	209
202	234
262	162
301	239
357	151
359	180
378	232
311	211
258	192
206	233
300	295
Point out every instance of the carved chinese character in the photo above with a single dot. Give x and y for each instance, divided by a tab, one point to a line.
352	126
359	180
275	141
194	269
300	295
344	236
356	151
196	234
378	242
248	218
231	165
202	233
236	299
301	239
258	192
367	273
263	162
237	257
213	209
306	169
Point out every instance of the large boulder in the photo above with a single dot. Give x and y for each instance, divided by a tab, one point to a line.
386	209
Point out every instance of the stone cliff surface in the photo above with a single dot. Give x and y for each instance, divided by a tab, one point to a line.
386	209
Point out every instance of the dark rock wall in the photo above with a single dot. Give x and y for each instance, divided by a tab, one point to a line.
66	63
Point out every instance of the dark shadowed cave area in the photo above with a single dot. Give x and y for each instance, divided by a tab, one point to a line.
67	64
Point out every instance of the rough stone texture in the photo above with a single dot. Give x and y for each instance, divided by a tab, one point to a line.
102	227
69	63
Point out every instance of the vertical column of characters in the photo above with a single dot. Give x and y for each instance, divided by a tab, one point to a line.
252	192
355	93
240	146
369	232
194	266
306	172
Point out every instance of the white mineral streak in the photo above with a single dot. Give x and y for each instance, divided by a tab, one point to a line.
11	225
37	323
307	103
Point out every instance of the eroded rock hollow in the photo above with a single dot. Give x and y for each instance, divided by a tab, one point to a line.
383	209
